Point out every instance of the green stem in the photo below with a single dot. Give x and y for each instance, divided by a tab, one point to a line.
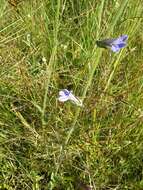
50	66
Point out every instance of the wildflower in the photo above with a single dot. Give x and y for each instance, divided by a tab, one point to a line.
114	44
65	95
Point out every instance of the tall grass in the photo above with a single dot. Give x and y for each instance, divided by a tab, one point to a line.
46	46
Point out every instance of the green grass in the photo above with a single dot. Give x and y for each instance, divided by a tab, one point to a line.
46	46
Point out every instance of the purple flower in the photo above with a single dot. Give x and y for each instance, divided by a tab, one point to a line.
114	44
65	95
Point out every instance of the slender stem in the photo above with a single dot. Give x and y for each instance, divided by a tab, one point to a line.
50	66
94	62
113	71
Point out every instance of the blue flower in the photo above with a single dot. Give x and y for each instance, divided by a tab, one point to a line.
65	95
114	44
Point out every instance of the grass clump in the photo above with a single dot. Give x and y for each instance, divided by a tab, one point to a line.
46	46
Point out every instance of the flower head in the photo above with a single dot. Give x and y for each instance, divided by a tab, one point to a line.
65	95
114	44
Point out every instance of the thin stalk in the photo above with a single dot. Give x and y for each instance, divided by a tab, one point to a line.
113	71
94	62
52	61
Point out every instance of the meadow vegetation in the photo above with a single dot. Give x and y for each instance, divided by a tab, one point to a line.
49	45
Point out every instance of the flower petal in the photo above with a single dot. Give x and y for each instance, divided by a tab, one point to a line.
63	98
75	100
115	48
121	45
121	39
61	93
64	92
124	37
